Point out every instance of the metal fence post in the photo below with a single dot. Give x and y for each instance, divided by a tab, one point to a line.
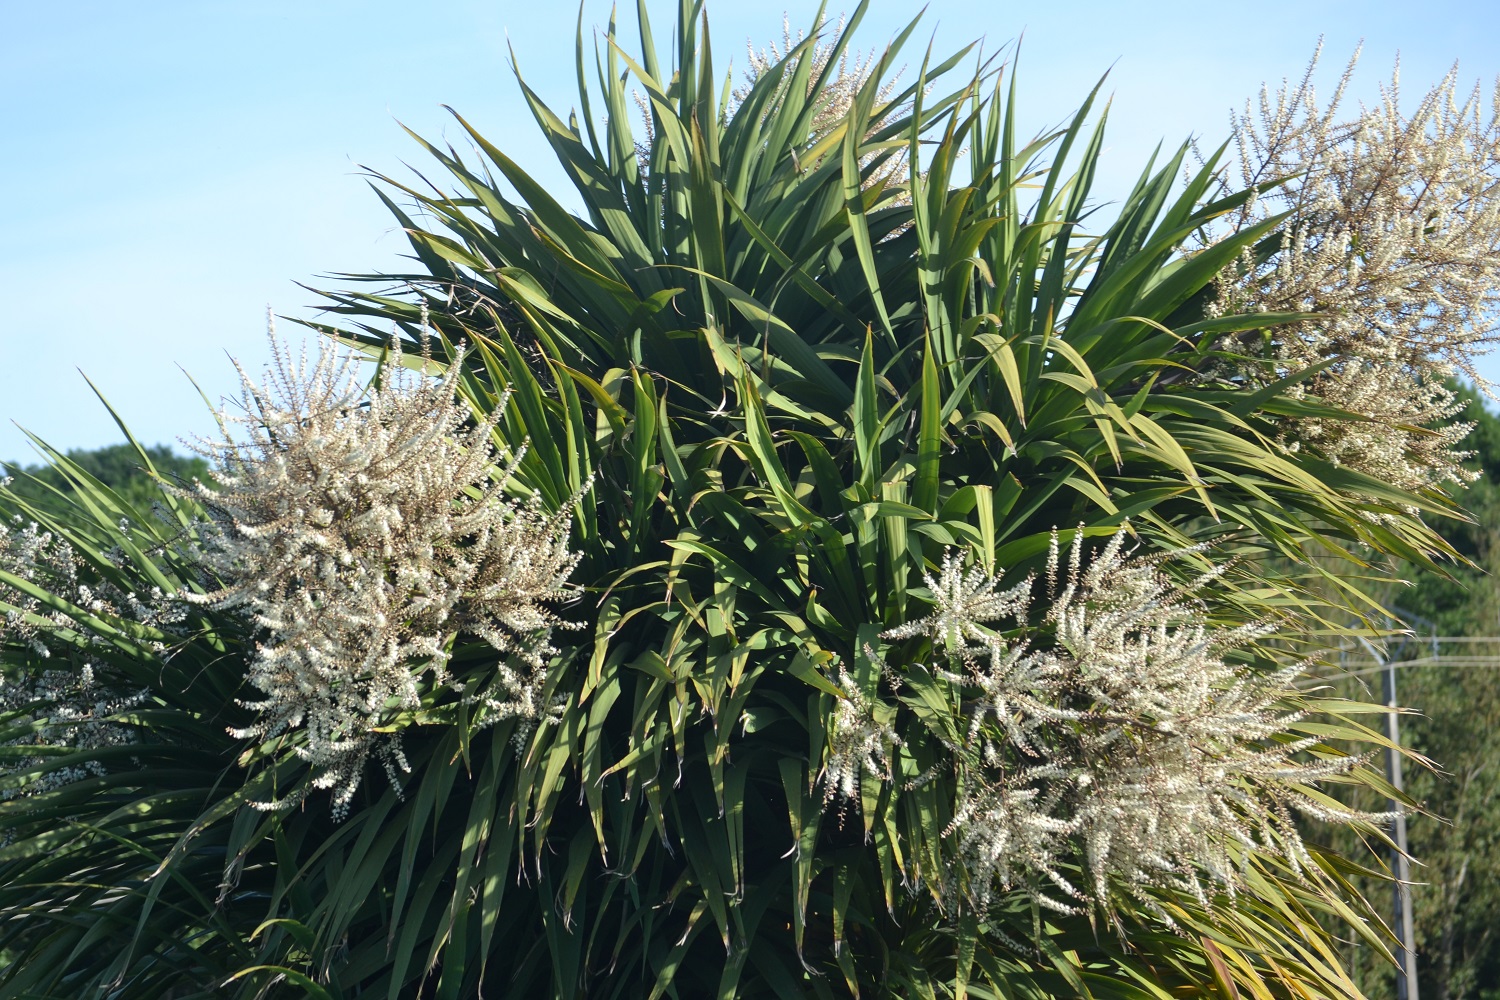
1406	981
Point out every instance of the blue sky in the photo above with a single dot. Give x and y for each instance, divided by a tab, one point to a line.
174	168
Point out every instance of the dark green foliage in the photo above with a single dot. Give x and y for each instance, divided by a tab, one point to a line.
1463	602
1457	904
117	466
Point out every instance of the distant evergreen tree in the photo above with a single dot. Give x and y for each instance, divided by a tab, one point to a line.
117	466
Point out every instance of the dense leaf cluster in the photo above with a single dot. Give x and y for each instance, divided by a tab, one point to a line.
793	380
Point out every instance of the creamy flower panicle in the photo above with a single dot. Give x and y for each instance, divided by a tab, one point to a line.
835	99
1393	241
61	708
360	529
49	699
862	739
844	82
1113	738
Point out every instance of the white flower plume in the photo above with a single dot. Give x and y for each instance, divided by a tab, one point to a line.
836	98
964	600
1394	241
1114	737
60	708
861	738
63	705
359	531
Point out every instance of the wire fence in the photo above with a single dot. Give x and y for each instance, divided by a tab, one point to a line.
1450	652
